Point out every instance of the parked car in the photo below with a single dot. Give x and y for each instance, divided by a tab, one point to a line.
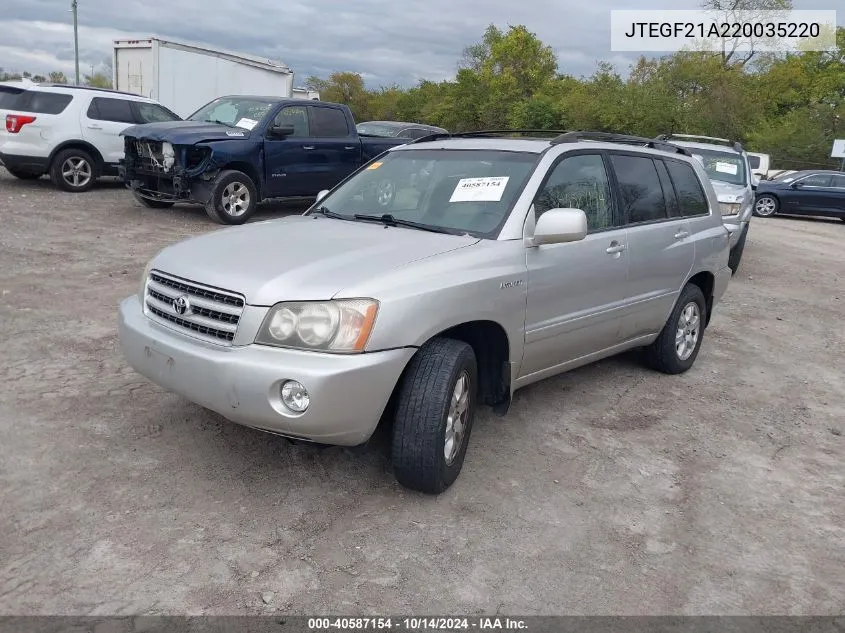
516	260
70	132
237	151
726	163
811	192
398	129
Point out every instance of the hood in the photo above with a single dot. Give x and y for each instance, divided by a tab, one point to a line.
186	132
728	192
300	258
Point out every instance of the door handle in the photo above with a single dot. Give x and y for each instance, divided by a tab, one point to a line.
95	127
681	234
350	147
307	147
615	248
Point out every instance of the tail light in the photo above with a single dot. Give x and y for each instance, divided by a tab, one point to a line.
14	122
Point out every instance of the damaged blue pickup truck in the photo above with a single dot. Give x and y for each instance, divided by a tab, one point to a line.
239	150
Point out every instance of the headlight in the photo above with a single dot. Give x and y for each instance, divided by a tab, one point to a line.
143	289
341	326
730	208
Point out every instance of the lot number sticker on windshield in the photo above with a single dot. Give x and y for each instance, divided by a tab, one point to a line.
488	189
726	168
246	123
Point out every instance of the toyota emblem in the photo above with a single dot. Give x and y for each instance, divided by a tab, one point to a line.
181	305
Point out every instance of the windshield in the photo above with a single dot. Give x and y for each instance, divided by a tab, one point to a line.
464	191
377	129
723	166
243	112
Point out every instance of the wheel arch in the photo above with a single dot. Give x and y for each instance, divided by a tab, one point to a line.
706	281
249	170
81	145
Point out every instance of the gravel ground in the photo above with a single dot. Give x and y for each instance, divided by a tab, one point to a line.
609	490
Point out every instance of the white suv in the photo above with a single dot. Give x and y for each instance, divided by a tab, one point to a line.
70	132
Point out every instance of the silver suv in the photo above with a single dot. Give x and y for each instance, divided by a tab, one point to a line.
497	262
729	169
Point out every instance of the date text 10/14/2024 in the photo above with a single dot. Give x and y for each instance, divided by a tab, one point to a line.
421	623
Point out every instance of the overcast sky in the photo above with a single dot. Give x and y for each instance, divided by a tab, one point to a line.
386	41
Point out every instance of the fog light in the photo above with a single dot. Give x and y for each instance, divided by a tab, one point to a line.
295	396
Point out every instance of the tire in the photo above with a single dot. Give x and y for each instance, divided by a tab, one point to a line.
153	204
766	206
421	426
234	198
74	170
23	174
382	194
665	354
736	252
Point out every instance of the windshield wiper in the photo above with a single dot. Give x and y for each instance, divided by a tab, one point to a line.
219	122
388	220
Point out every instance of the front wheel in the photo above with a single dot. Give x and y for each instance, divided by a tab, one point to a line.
153	204
676	348
434	415
234	198
765	206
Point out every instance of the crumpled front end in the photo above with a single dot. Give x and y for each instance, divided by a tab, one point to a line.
159	170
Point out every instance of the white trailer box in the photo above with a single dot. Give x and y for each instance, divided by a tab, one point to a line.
184	77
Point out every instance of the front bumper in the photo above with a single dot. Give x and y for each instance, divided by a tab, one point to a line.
736	224
348	392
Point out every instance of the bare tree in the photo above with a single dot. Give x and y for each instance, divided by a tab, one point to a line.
731	9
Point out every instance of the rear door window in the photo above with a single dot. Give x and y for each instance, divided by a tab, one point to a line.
639	188
838	182
38	102
328	123
108	109
691	196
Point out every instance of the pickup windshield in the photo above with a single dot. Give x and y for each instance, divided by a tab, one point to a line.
724	166
463	191
243	112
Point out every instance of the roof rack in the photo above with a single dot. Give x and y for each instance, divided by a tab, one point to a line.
48	84
482	133
696	137
610	137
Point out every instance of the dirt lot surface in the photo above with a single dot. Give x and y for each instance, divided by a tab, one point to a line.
610	490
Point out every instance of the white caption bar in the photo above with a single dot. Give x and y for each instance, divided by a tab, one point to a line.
717	31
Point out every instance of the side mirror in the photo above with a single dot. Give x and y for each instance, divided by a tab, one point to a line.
557	226
281	131
794	185
322	195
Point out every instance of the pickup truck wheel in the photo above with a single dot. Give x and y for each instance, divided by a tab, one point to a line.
434	413
233	199
676	348
153	204
73	170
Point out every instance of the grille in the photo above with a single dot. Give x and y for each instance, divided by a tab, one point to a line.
211	314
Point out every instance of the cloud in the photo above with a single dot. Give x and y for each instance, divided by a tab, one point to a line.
387	42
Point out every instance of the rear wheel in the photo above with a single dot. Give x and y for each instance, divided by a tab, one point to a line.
676	348
73	170
434	415
234	198
766	205
24	174
153	204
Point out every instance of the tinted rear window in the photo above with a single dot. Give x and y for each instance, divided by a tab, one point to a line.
108	109
42	102
690	194
8	96
639	186
328	123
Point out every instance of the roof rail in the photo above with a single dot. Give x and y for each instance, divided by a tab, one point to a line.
482	133
48	84
610	137
696	137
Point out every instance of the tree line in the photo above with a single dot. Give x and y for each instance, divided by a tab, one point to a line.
790	106
95	80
